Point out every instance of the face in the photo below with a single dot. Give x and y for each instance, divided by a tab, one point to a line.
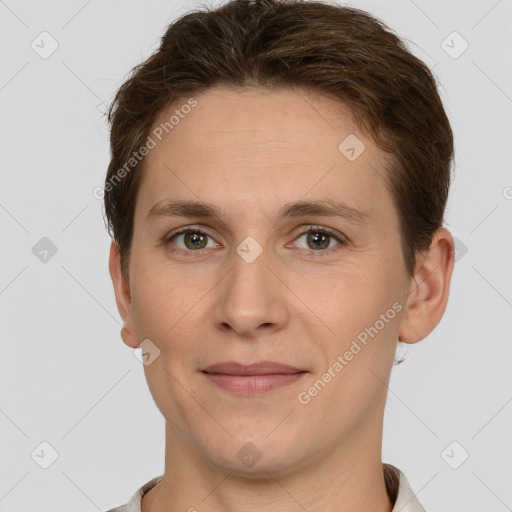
249	284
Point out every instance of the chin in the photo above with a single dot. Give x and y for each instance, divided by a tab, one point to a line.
255	456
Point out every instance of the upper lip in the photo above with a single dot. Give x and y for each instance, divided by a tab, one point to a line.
260	368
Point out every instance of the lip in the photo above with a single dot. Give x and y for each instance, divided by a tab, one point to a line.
260	368
252	379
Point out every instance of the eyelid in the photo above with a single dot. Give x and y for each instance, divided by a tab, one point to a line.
316	228
185	229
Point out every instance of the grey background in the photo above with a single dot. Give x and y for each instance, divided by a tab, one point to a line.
66	377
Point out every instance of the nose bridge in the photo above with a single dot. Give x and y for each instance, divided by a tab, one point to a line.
250	294
250	266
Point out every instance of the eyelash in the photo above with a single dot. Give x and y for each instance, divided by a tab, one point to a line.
312	229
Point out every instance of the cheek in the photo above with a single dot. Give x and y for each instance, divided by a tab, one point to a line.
152	305
365	319
363	312
167	310
348	299
159	297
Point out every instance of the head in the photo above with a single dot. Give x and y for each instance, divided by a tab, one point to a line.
243	112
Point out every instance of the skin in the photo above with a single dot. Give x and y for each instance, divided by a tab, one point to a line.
249	151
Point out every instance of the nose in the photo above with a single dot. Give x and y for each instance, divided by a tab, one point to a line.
252	297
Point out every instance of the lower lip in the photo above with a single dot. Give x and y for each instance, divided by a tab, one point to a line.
253	384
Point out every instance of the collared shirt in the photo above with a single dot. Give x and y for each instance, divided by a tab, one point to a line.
397	486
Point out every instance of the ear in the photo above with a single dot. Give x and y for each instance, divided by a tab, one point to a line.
429	290
123	298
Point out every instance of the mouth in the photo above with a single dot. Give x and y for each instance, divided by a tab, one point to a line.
253	379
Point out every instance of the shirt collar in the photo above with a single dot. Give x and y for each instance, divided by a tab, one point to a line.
399	491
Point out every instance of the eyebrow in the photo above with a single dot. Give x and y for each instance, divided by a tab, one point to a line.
199	209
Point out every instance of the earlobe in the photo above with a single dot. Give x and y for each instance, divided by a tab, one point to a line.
430	288
123	298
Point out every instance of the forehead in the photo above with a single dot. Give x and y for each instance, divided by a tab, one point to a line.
244	144
277	119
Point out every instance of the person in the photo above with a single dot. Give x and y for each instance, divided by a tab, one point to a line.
276	192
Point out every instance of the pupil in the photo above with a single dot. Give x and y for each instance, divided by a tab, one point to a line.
194	238
316	237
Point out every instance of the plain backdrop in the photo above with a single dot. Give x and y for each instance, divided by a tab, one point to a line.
66	378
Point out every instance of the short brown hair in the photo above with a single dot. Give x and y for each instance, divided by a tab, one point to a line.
341	52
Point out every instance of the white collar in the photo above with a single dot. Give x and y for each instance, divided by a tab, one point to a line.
400	491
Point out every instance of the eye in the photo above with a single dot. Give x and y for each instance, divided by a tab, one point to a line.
318	239
193	239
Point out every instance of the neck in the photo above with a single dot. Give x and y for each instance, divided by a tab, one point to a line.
349	478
